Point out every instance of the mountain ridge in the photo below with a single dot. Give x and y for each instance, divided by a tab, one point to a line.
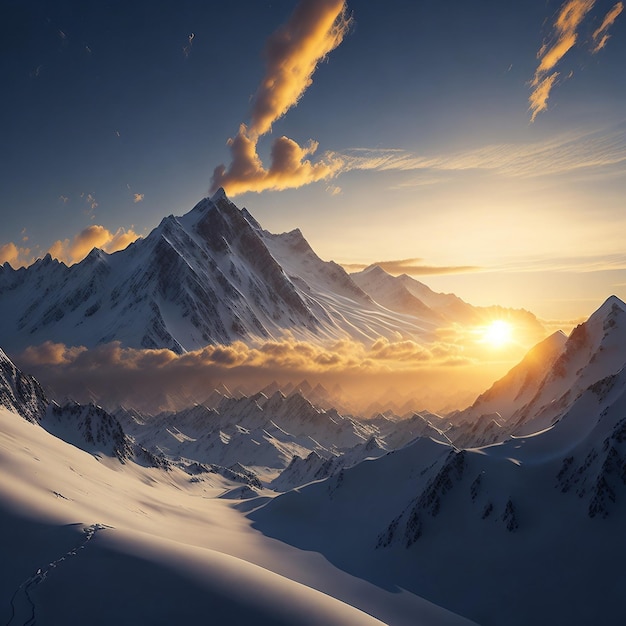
210	276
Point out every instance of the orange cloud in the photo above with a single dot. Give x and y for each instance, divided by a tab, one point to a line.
290	166
14	255
568	20
293	52
600	35
539	97
150	379
50	353
412	266
94	236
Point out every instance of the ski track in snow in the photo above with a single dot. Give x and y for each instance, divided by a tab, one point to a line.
40	576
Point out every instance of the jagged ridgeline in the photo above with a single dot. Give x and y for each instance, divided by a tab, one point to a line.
215	276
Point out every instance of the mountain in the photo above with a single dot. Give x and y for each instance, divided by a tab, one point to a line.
537	518
210	276
264	434
404	294
20	393
214	276
87	427
532	395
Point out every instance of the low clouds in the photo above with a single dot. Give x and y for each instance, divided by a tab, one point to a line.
70	251
154	380
94	236
148	379
293	53
563	38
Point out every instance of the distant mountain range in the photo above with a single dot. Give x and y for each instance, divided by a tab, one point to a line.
215	276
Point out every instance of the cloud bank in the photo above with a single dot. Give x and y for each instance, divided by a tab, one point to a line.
293	53
154	380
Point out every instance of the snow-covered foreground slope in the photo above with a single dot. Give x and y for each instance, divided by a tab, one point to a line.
93	541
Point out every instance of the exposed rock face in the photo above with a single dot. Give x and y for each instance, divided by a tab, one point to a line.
19	392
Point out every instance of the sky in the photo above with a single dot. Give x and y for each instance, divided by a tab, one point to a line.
479	147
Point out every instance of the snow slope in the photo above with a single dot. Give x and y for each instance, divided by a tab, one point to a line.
85	541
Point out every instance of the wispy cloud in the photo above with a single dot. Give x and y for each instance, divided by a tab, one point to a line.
293	53
563	38
571	152
538	99
580	264
600	35
95	236
413	267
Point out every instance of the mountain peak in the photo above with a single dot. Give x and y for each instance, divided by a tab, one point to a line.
220	194
606	316
374	270
95	255
609	306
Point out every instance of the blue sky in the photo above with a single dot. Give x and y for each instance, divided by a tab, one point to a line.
115	114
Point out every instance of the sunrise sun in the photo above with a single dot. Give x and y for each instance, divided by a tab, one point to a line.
498	333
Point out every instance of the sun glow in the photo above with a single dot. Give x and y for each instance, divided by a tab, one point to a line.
498	333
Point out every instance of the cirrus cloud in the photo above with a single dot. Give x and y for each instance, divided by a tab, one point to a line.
600	35
564	37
